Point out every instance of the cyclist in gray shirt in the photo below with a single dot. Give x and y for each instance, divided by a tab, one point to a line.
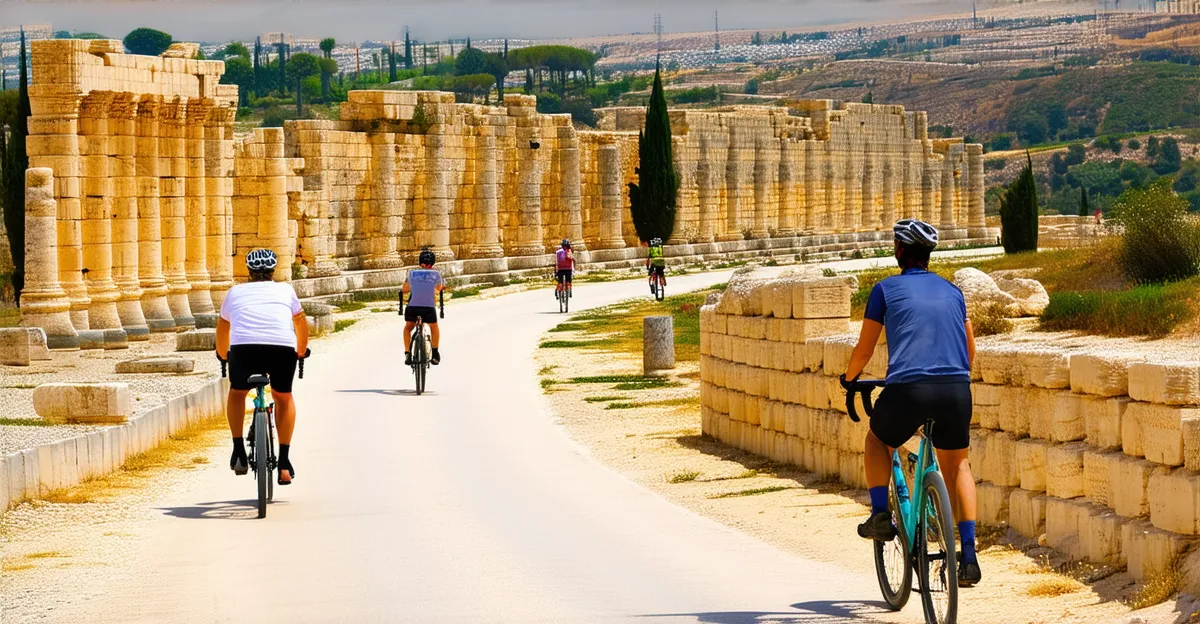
423	284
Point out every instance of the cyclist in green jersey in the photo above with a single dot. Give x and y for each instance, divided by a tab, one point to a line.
656	262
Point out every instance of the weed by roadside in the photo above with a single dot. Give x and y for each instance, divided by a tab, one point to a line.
1158	588
351	306
683	476
24	422
343	324
753	491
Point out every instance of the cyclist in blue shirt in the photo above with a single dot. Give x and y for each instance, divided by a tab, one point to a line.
930	348
424	284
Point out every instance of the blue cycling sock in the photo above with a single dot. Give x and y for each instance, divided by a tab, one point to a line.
879	499
966	532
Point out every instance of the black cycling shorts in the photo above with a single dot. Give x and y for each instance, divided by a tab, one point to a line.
274	361
660	271
428	315
564	275
903	408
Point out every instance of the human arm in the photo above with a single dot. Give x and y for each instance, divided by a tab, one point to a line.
406	288
300	322
867	339
223	329
970	344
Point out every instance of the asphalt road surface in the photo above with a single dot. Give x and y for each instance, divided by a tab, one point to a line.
466	504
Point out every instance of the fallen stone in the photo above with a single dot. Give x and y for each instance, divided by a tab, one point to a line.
196	340
14	346
981	291
168	365
316	308
1031	297
38	347
1176	383
182	50
83	403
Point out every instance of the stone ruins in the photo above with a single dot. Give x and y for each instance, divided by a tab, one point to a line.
140	199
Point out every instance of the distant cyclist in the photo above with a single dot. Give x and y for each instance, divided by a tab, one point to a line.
262	331
931	345
656	262
564	266
424	284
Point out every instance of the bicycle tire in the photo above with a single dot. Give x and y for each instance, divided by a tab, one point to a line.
662	290
419	361
937	509
271	459
262	471
896	592
566	301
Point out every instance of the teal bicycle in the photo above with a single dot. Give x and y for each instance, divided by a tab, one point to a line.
924	524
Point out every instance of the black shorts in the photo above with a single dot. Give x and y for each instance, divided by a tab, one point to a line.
903	408
428	315
660	271
564	275
274	361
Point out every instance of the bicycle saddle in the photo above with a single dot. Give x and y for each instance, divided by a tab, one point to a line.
258	380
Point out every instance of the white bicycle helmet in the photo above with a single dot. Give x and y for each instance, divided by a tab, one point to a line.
261	260
915	232
656	242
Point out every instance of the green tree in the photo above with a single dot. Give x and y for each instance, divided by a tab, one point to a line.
301	66
751	87
257	55
1019	212
239	72
16	161
1169	158
329	67
474	85
498	68
391	53
1084	208
147	41
1161	242
327	45
232	50
869	98
756	39
469	62
653	198
408	62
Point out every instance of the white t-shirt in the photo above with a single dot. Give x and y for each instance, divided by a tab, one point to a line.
261	313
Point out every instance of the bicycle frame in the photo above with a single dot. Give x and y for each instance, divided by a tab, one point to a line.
924	461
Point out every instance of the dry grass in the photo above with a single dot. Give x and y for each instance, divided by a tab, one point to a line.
683	476
136	470
754	491
1158	588
1053	587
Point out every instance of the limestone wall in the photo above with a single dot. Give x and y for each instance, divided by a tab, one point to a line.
155	200
1096	450
1177	6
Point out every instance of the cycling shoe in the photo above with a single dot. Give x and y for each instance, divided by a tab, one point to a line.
878	527
969	574
238	462
286	465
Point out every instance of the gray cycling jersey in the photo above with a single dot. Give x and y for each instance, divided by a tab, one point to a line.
423	284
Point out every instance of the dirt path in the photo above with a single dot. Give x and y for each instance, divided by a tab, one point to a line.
652	436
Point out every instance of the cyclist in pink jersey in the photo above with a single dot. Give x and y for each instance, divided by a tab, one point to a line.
564	266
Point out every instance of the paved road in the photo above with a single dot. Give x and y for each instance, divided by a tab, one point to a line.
467	504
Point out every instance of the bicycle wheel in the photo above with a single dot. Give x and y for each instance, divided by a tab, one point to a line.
893	560
419	362
935	552
566	300
662	289
271	459
262	452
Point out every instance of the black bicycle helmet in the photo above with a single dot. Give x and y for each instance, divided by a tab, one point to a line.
427	257
261	260
566	243
915	232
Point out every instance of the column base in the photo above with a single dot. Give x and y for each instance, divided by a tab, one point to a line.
132	319
757	234
89	339
116	339
982	232
181	311
728	238
528	249
166	325
207	320
60	333
487	251
618	243
390	261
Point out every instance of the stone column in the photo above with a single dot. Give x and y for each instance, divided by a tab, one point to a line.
150	269
123	169
43	301
487	198
853	196
96	226
870	216
888	216
687	212
929	174
832	178
196	215
733	188
912	184
946	218
976	219
658	344
384	208
706	197
814	186
612	199
172	170
763	181
572	186
273	202
218	180
435	232
788	197
529	191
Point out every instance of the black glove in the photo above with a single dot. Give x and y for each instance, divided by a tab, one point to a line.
847	384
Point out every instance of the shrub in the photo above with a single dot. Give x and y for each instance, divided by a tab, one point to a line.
991	320
1151	310
1161	241
994	164
1135	144
1019	213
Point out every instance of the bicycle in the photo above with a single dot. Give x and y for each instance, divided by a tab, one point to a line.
563	294
421	345
658	285
924	523
261	455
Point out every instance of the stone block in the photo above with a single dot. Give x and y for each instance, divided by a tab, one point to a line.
1064	470
1149	550
837	354
196	340
993	504
1027	512
1102	538
1103	374
1031	462
1175	383
39	349
1130	481
1046	368
1098	471
156	365
1174	497
827	297
83	403
1161	430
1102	419
1000	460
1063	523
14	346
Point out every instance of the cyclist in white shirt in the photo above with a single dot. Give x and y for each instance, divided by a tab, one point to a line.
262	331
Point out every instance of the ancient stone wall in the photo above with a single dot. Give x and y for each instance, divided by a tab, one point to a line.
1177	6
155	199
1097	450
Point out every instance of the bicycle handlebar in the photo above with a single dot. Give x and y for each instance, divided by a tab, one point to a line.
863	388
442	302
401	308
300	363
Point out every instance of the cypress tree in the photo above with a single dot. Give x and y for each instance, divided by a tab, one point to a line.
1084	209
392	63
653	198
257	53
506	49
1019	213
282	66
16	161
407	51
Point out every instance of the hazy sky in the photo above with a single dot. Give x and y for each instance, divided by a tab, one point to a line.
220	20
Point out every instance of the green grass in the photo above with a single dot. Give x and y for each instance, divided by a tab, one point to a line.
604	399
468	291
24	422
753	491
692	401
546	370
1152	310
569	344
21	386
351	306
622	406
546	383
343	324
373	296
683	476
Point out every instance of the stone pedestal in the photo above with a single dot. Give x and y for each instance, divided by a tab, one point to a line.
44	303
658	344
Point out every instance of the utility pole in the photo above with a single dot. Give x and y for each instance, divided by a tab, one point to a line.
658	30
716	35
